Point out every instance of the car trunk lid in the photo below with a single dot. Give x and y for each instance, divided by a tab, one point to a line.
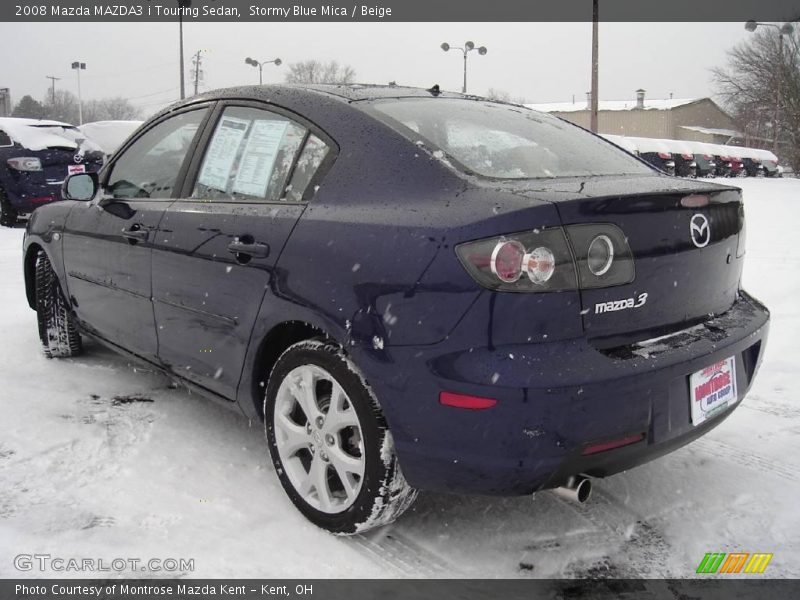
684	236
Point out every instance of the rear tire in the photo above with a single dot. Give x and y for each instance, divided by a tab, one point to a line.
57	328
330	443
8	216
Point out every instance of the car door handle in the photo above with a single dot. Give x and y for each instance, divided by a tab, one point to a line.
254	249
135	234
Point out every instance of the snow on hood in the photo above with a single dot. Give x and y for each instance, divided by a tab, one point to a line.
35	134
109	135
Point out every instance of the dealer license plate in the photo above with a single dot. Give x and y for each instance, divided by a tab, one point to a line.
713	389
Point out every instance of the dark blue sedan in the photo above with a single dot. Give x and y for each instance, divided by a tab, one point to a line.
35	158
413	289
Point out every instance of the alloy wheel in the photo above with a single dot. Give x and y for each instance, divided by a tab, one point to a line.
319	439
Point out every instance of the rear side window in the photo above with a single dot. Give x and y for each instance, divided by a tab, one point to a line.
4	139
314	152
505	142
252	155
149	167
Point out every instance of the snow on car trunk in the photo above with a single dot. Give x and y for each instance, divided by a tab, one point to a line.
99	458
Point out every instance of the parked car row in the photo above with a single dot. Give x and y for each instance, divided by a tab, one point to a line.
36	156
700	159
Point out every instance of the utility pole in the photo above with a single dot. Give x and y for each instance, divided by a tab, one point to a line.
197	75
595	60
52	87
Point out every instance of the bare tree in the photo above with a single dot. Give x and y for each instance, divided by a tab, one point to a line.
62	106
760	85
314	71
503	96
109	109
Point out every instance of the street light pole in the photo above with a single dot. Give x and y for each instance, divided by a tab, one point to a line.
595	65
182	4
785	29
79	66
253	62
468	47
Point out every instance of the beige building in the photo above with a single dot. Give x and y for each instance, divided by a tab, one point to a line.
697	119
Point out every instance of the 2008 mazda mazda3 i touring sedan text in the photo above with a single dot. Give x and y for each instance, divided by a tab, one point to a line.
414	289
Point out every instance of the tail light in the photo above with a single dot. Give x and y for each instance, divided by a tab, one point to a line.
27	163
687	155
549	260
664	155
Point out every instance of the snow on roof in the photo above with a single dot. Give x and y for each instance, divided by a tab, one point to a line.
711	131
621	141
37	134
109	135
655	104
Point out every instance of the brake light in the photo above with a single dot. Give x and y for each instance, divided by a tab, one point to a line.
27	163
465	401
506	260
664	155
687	155
552	259
707	156
694	201
41	199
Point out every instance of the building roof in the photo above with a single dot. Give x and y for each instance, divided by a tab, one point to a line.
655	104
710	131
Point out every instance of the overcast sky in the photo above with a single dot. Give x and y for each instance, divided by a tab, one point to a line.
539	61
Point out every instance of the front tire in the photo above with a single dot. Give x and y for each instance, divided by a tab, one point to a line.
57	328
330	443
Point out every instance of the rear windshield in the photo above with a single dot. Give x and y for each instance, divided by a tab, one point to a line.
506	142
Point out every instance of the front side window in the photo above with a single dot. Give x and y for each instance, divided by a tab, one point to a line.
505	142
250	156
149	167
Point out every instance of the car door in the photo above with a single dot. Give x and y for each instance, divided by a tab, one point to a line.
108	242
219	243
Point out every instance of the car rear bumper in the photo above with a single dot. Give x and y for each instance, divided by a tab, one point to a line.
553	401
27	196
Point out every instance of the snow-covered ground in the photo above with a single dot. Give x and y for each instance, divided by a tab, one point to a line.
101	459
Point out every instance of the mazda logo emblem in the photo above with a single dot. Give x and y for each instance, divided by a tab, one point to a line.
700	230
78	158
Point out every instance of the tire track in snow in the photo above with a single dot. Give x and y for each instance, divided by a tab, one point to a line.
396	552
726	451
642	547
771	408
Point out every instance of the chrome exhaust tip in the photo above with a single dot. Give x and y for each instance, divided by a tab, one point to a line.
577	489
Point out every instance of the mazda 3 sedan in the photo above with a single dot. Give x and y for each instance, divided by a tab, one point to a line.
35	158
415	290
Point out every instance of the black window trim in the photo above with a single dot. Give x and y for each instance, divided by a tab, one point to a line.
203	140
180	179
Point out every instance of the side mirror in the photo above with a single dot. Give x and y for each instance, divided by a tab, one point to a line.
80	186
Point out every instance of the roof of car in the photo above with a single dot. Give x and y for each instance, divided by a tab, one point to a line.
353	92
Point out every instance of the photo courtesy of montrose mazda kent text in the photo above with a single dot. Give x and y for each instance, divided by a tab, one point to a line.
414	289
